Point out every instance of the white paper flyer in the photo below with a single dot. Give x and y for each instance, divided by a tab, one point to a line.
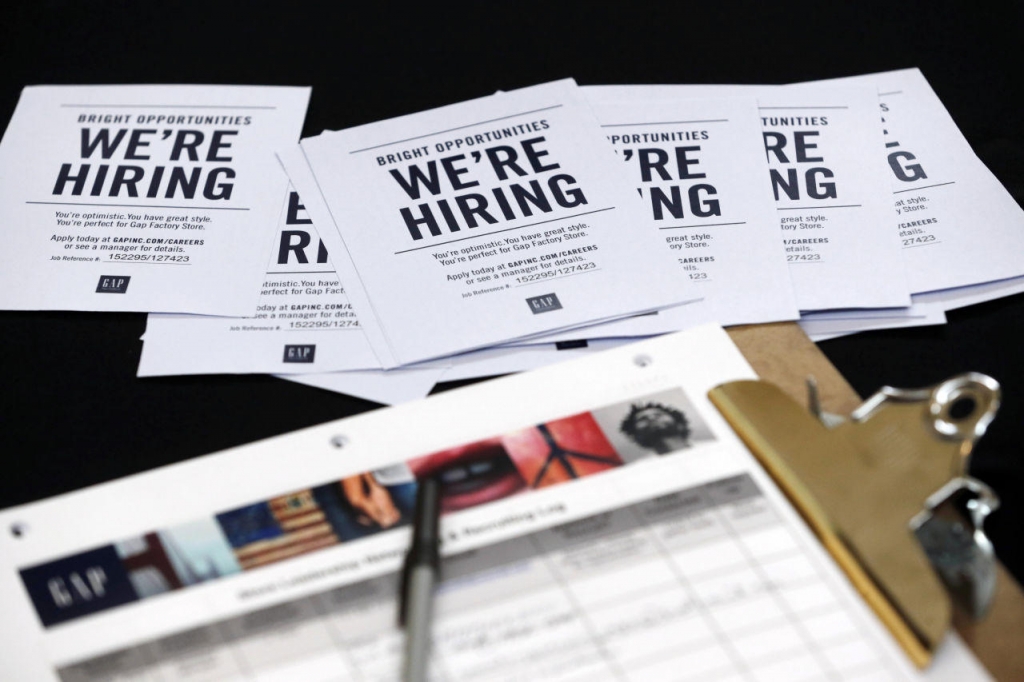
302	323
957	224
829	188
142	198
695	163
487	221
400	385
389	387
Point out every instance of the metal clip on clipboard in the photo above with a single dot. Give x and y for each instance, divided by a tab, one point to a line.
886	492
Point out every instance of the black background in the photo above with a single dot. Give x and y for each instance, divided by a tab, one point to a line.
74	414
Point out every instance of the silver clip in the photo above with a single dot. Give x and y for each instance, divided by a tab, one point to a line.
950	526
829	419
951	530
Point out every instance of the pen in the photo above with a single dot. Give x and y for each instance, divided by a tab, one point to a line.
419	575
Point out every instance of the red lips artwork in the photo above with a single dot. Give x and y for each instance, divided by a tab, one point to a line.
535	457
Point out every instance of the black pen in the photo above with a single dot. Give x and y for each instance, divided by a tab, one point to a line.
419	576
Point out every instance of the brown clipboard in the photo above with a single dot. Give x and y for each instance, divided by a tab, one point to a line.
783	355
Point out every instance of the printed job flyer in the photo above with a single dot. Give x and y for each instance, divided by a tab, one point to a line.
666	320
388	387
957	224
142	198
394	386
917	315
302	323
487	221
600	521
695	163
951	299
305	326
472	364
828	187
513	357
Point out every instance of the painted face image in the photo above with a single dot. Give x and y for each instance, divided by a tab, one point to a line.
470	474
655	424
367	503
561	450
659	427
653	419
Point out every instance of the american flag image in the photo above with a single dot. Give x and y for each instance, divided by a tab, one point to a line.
283	527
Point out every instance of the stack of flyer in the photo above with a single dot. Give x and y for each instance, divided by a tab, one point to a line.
498	234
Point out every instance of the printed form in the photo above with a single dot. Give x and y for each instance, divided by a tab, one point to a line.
142	198
600	522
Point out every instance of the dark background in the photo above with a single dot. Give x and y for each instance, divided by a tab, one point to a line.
72	411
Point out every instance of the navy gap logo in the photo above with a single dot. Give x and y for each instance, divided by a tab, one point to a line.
300	353
78	585
544	304
112	284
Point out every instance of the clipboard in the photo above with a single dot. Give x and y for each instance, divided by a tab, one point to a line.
783	355
632	379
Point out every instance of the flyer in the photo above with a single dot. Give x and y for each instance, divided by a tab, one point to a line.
487	221
918	315
400	385
957	224
596	515
951	299
684	316
863	319
388	387
829	188
157	198
666	320
304	325
694	162
488	362
302	322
